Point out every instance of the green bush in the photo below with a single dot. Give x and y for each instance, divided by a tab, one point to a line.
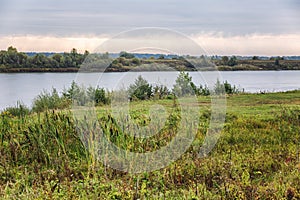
98	96
49	100
225	88
141	89
160	91
76	94
184	85
80	95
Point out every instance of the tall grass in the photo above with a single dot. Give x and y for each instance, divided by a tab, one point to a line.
42	155
20	110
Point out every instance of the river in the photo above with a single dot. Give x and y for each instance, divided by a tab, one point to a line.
25	86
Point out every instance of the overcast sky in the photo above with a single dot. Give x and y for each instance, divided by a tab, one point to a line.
261	27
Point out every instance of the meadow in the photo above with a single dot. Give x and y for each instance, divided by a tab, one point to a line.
256	157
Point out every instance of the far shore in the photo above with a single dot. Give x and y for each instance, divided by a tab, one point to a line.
75	70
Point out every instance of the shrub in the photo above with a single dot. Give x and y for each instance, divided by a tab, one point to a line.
184	85
97	95
160	91
79	95
229	89
49	100
76	94
127	55
141	89
136	61
225	87
203	90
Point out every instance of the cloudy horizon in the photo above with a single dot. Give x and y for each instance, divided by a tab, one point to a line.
232	27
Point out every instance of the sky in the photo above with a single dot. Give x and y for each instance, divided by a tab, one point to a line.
223	27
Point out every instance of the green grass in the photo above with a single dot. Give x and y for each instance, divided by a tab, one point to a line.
256	157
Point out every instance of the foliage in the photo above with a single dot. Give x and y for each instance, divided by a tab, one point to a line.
277	62
203	90
225	88
136	61
76	94
49	100
98	95
127	55
79	95
14	59
232	61
184	85
160	91
229	89
140	89
225	60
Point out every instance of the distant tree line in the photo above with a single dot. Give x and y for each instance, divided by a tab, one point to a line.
11	58
13	61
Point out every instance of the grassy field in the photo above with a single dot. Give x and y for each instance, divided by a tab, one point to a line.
256	157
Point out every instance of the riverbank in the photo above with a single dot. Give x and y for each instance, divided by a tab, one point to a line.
256	157
37	70
138	65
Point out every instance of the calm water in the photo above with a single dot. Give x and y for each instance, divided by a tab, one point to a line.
25	86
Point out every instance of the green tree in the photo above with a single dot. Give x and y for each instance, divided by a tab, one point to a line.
160	91
225	60
97	95
232	61
277	62
141	89
40	60
57	60
76	94
11	57
219	88
57	57
184	85
136	61
225	88
127	55
74	53
12	49
48	100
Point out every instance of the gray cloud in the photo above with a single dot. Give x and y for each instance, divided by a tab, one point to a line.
74	17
